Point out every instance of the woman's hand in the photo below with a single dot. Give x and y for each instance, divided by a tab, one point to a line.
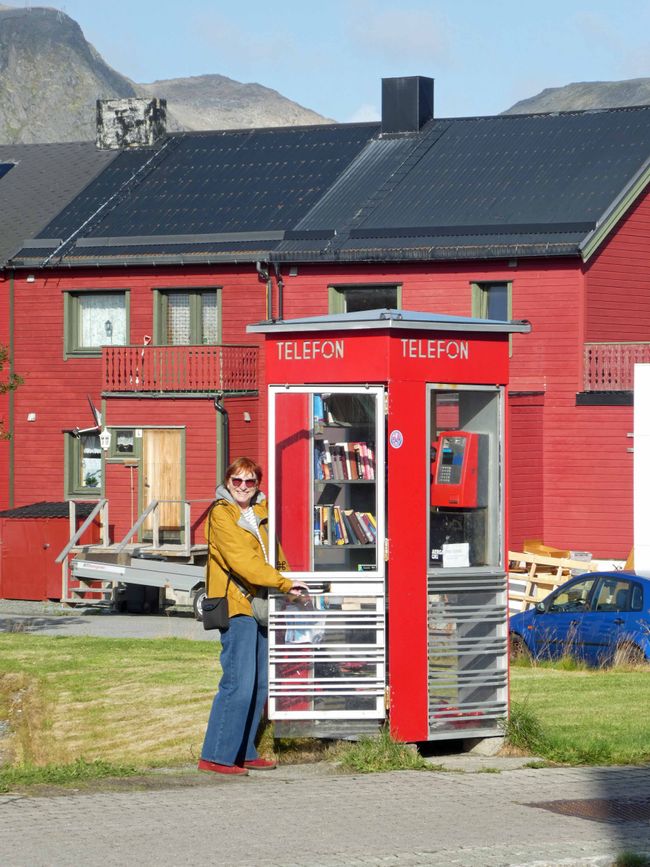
298	589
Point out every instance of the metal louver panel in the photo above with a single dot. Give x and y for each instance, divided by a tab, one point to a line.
467	652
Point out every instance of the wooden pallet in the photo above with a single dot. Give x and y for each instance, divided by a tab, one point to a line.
532	577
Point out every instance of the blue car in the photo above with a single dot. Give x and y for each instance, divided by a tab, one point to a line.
600	617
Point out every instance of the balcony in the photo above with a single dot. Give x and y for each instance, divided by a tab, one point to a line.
162	369
610	366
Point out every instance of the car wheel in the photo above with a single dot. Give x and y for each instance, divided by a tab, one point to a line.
197	602
628	654
517	648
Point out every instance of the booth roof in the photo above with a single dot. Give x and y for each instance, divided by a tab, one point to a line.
390	319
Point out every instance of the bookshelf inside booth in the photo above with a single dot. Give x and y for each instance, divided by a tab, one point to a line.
344	482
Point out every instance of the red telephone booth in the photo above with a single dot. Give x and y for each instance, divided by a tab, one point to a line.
387	491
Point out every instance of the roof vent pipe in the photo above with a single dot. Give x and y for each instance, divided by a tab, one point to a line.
406	103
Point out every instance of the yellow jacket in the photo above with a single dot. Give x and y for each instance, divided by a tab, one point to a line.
233	547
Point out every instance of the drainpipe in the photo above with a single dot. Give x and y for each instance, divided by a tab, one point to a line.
12	405
263	274
280	282
225	450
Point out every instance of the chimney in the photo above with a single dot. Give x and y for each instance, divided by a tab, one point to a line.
130	122
406	103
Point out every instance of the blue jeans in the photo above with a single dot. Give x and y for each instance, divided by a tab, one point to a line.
238	705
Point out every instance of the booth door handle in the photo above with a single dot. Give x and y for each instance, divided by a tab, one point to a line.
619	621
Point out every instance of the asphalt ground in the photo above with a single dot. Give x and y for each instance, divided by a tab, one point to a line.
52	618
480	811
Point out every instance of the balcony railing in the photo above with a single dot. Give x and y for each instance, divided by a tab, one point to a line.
221	367
610	366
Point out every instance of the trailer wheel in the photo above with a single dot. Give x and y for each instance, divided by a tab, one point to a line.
197	602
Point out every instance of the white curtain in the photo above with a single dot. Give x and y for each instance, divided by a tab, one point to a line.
102	319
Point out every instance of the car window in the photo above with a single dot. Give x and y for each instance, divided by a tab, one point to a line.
636	603
618	594
573	597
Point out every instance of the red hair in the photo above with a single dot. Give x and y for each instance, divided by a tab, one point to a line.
244	465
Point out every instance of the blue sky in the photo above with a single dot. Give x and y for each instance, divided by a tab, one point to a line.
330	55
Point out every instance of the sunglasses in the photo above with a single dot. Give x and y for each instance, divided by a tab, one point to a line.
237	482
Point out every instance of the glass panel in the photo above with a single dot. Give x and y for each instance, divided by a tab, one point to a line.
102	319
497	301
178	319
327	656
209	317
467	661
372	298
464	512
326	494
345	492
124	442
90	470
573	598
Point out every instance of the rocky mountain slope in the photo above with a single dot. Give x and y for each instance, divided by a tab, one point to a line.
50	78
586	94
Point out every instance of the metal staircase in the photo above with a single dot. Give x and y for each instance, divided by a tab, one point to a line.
93	573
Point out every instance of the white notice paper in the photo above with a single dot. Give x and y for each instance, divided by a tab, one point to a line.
455	556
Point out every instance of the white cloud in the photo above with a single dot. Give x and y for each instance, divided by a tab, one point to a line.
364	113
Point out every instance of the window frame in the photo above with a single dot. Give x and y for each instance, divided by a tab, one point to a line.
160	313
337	294
73	487
480	290
71	312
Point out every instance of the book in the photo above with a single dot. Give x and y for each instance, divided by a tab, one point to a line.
369	529
358	459
346	517
318	463
326	460
360	534
319	411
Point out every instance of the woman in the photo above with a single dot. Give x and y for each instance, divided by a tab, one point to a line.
238	549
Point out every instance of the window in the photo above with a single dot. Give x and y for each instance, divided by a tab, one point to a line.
616	594
123	443
492	300
349	299
84	458
186	317
93	320
574	597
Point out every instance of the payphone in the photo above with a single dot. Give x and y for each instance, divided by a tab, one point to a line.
403	548
455	470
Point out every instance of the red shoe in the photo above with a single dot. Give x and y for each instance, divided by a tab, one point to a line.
205	765
260	764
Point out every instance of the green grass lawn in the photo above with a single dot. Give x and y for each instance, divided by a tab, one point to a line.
589	716
79	707
136	703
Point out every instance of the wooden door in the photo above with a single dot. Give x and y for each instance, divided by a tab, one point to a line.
162	481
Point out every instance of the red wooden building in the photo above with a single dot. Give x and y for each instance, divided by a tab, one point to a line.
128	311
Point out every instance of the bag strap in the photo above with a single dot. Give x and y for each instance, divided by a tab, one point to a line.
231	575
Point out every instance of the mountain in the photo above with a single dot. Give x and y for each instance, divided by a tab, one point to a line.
584	95
50	78
217	102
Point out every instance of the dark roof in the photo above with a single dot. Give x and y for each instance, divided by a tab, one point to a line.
48	510
44	178
510	185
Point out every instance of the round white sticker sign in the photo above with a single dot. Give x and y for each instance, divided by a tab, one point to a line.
396	439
